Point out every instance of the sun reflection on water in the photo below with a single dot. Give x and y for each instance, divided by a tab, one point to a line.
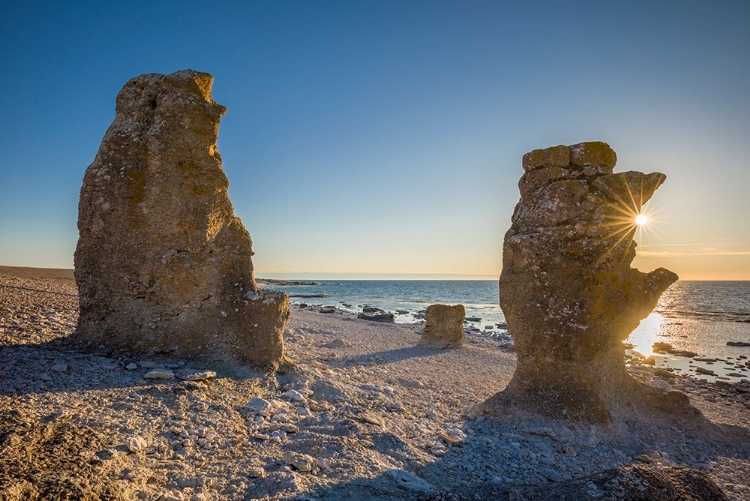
646	334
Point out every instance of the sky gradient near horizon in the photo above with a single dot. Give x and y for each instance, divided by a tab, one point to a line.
384	138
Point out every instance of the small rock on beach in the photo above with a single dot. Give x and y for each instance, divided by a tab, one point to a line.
159	374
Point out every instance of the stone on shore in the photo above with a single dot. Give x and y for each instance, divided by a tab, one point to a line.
136	443
386	317
567	289
163	266
302	462
444	327
194	375
159	374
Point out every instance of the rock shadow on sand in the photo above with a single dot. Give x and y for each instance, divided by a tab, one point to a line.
537	459
391	356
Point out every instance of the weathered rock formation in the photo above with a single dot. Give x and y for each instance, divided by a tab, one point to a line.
162	263
567	289
444	327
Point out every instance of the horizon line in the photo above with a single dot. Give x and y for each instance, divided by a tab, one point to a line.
306	275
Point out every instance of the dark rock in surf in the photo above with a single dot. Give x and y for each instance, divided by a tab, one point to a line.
378	317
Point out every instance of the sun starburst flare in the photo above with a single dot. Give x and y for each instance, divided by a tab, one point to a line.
631	217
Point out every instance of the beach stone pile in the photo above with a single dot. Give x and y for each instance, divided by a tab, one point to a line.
162	264
567	289
444	327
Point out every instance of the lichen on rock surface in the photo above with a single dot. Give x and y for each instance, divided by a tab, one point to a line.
567	289
162	264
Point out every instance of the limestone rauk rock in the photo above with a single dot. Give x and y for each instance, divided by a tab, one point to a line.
444	327
162	263
567	289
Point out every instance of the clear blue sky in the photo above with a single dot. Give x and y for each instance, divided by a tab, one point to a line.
386	137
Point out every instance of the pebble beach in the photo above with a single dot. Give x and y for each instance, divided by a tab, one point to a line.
360	413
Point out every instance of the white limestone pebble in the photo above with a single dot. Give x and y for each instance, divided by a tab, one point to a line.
453	435
197	375
159	374
136	443
302	462
372	418
293	395
59	368
410	482
260	406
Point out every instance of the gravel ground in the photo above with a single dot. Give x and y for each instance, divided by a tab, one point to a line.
365	414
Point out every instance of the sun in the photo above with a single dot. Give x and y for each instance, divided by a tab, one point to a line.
629	217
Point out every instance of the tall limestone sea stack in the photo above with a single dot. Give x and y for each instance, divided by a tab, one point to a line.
567	289
163	266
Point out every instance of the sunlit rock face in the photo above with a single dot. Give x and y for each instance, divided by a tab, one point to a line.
162	264
567	289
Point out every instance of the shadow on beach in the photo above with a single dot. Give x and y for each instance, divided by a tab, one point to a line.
515	460
388	356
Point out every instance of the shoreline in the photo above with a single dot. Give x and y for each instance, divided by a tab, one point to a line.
721	364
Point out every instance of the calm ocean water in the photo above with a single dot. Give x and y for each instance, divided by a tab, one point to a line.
695	316
404	298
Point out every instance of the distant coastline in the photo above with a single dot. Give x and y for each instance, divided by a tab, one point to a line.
27	272
285	283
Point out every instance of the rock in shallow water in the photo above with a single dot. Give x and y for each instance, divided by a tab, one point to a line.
387	318
162	263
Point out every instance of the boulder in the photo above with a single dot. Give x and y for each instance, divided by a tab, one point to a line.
444	327
384	317
162	264
567	289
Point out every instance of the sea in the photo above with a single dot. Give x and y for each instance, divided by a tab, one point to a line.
693	317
